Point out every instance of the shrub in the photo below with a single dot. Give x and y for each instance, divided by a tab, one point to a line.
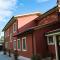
16	55
36	57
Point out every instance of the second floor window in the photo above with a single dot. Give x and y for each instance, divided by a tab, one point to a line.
11	36
14	27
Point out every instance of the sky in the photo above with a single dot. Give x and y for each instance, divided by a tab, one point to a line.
9	8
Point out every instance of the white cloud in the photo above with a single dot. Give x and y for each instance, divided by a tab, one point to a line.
40	1
5	4
5	13
6	8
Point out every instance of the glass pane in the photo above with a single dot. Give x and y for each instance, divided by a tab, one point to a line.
58	39
15	27
18	43
14	44
50	39
24	44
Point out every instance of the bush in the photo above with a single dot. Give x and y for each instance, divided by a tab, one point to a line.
16	55
36	57
4	51
9	53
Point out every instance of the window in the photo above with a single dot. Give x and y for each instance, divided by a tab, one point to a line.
14	44
11	37
8	32
58	39
6	44
50	40
14	27
19	45
24	43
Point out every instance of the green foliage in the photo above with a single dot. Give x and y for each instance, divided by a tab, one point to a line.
36	57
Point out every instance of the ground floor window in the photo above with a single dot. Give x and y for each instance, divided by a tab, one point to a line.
14	44
6	45
58	38
24	46
50	40
19	43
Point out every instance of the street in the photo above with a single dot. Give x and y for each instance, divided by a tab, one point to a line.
4	57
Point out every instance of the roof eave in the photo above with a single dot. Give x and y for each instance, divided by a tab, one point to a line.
9	23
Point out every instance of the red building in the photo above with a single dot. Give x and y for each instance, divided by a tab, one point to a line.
34	34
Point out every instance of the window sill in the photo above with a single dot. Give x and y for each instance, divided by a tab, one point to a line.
19	49
50	43
14	31
14	49
24	50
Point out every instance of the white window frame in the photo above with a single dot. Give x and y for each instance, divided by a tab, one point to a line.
6	44
59	39
48	41
17	44
14	27
25	44
10	37
13	44
8	32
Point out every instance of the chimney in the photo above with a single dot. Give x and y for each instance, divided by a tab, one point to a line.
58	3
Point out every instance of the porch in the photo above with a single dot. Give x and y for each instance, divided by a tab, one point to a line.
53	39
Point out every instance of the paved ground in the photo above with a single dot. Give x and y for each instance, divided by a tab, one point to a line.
4	57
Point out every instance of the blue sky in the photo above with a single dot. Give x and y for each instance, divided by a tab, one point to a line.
9	8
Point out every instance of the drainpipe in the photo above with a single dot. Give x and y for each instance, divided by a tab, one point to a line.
4	45
32	44
58	47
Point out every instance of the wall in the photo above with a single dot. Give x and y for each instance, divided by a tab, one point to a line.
41	41
49	19
27	26
7	35
27	53
25	19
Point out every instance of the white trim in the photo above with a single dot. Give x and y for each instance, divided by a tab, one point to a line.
6	44
27	14
11	37
48	41
25	44
57	33
54	38
14	27
13	44
17	44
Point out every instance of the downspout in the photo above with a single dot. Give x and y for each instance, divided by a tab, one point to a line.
4	45
57	42
32	44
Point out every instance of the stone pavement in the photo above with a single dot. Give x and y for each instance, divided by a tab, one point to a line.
4	57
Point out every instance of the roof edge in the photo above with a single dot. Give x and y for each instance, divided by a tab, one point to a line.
28	14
